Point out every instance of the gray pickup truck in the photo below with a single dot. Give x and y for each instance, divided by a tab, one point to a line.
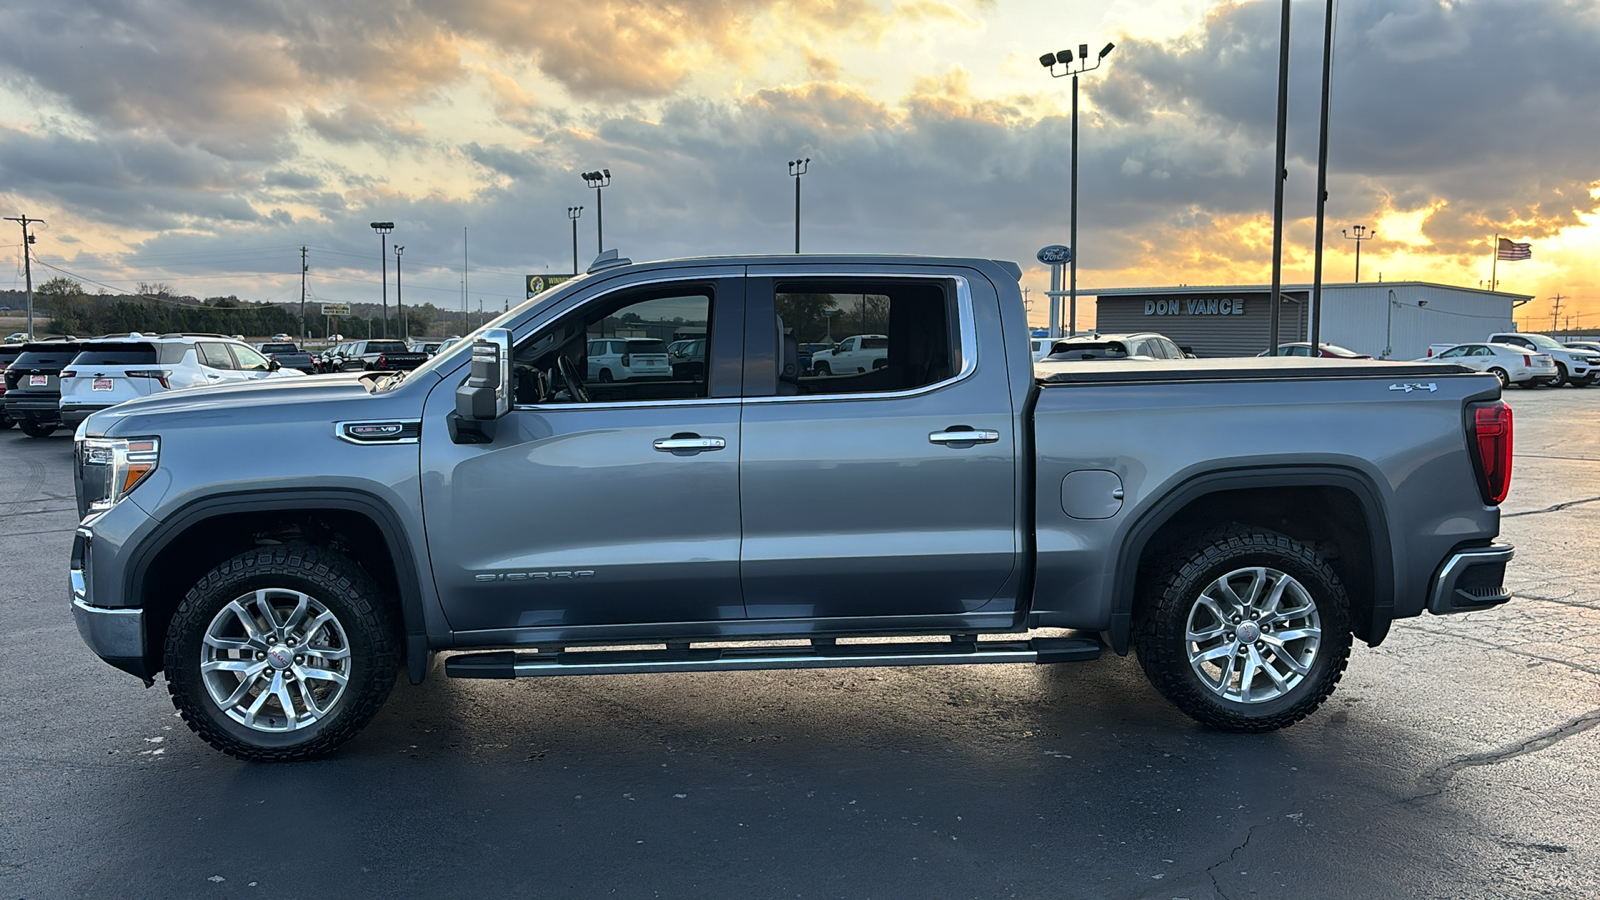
1236	522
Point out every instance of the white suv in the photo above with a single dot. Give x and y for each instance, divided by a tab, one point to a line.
619	359
1575	367
108	372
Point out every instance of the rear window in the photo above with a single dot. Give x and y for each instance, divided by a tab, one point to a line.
279	348
45	359
874	343
116	355
386	347
646	345
1098	350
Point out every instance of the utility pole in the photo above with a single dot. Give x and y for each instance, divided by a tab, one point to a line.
1555	311
27	260
305	331
383	229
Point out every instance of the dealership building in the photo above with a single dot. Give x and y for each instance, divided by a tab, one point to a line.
1394	319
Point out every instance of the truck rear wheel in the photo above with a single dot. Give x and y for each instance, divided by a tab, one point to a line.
281	653
1247	630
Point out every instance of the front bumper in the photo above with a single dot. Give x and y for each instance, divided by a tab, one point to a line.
1470	580
115	635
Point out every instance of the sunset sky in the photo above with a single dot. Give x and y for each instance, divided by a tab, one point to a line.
202	144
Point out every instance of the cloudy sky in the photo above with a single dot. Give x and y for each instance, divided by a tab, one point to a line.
201	143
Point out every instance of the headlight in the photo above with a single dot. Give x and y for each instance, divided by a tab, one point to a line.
108	468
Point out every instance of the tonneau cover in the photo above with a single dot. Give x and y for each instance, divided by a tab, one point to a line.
1264	368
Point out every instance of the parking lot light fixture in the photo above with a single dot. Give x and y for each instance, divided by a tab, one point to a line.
1064	60
384	229
1361	234
573	212
599	180
798	168
399	305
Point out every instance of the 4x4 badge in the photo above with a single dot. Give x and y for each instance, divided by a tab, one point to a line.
1408	387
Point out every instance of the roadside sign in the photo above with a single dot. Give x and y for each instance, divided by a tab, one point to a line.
538	284
336	309
1055	254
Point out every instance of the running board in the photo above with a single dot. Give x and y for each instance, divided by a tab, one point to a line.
822	654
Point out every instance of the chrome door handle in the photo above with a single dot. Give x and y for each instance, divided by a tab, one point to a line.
694	444
964	437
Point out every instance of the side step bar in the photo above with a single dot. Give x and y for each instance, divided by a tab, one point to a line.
822	654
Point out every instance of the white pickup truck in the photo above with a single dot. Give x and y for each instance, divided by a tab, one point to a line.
853	355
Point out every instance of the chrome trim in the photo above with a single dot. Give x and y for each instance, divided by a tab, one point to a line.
110	633
625	404
339	427
965	318
672	445
964	437
1439	600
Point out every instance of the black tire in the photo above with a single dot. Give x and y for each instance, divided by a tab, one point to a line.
1505	377
1531	383
1561	376
5	422
367	622
33	428
605	376
823	369
1175	593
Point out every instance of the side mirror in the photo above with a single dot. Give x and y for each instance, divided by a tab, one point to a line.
486	394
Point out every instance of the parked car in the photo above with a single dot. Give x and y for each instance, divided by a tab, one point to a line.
1578	368
489	505
1510	364
621	359
687	358
1592	347
105	373
1325	351
33	386
1040	347
386	355
1143	345
8	353
289	356
17	337
853	355
428	348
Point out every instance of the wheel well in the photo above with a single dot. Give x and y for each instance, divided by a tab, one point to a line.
1330	520
206	543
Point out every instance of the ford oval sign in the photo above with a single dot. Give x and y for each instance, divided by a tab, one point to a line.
1055	255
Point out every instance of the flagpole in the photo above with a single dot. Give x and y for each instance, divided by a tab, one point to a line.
1494	266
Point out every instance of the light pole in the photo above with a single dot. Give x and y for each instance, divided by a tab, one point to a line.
1361	234
827	316
383	229
573	212
1065	60
797	168
399	306
599	180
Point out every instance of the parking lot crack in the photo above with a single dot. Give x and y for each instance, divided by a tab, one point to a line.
1211	870
1547	738
1550	509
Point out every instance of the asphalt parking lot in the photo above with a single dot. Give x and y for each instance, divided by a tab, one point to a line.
1458	759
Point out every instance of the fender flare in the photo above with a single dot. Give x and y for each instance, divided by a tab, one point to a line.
274	500
1160	512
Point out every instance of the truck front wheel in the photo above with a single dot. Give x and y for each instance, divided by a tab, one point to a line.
1247	630
281	653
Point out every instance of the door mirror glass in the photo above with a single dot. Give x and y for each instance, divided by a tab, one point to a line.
486	394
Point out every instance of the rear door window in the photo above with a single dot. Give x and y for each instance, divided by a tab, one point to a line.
215	356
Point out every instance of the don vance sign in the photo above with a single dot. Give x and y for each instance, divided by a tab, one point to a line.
1195	306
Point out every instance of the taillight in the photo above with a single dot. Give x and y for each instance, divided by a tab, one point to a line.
1491	444
160	375
625	360
1527	360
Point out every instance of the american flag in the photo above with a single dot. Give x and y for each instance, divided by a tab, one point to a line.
1509	250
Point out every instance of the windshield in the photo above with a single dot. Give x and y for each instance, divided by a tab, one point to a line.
459	351
1545	341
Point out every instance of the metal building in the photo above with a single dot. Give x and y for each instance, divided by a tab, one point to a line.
1390	319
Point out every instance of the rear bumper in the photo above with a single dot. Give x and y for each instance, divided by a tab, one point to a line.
73	414
1471	580
27	406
